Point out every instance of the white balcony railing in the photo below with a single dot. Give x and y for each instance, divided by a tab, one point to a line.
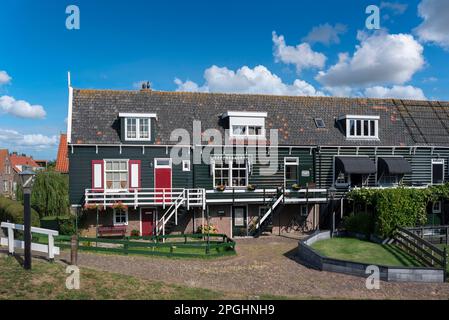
145	197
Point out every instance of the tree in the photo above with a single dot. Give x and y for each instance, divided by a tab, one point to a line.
50	195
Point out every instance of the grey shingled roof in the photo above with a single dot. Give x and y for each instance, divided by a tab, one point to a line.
402	123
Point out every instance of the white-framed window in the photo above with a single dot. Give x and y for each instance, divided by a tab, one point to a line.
304	210
246	124
263	210
436	207
437	171
162	163
186	165
120	217
361	127
230	173
342	179
116	174
5	186
291	168
390	180
137	129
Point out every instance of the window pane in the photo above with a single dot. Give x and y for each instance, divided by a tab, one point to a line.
131	128
372	128
239	130
365	128
144	129
359	127
437	173
108	165
351	127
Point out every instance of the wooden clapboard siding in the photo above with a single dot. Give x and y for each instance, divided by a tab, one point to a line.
81	175
419	159
203	176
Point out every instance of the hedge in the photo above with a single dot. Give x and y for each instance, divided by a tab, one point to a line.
64	224
12	211
398	207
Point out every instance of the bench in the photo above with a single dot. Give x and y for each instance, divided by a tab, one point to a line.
112	231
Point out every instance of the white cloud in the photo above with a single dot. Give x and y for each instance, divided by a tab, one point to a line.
15	139
188	86
395	7
326	34
21	108
435	27
4	78
380	59
397	92
258	80
302	56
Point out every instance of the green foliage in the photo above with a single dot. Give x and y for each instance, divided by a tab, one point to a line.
50	194
359	223
398	207
12	211
64	224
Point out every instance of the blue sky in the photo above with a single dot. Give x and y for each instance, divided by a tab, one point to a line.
277	47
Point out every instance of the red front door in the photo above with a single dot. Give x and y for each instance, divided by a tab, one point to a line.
147	221
162	180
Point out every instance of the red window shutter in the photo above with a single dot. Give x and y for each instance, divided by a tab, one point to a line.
97	174
134	174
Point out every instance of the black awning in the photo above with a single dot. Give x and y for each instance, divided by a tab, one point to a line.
355	165
394	165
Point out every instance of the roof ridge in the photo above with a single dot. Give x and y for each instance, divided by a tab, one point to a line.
275	96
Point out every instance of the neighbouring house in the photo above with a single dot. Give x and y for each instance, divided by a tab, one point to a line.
42	163
62	159
23	162
8	186
160	162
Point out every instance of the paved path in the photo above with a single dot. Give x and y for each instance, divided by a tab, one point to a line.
262	266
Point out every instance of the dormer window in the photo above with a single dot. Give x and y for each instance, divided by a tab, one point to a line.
361	127
137	126
246	124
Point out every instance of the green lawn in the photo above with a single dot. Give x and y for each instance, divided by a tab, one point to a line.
364	251
47	281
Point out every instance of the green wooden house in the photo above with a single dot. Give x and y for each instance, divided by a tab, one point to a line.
153	162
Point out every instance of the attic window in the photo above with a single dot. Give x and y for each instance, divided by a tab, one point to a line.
246	124
137	126
319	122
361	127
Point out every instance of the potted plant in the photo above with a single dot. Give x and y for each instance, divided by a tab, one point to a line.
221	187
92	206
251	187
296	187
135	233
120	205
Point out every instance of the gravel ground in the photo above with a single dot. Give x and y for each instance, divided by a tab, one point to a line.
262	266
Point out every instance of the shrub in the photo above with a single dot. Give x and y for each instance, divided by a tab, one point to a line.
12	211
397	207
65	224
359	223
135	233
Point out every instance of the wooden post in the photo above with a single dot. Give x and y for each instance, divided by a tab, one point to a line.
10	240
447	236
74	250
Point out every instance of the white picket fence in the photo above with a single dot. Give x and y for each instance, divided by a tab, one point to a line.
12	243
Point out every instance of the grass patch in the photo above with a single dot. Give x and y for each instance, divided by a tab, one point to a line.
47	281
356	250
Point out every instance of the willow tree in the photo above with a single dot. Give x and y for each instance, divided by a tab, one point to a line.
50	195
